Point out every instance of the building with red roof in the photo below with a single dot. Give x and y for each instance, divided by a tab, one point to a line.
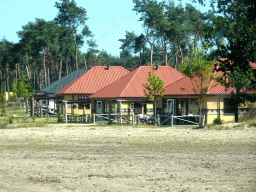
77	92
126	95
181	97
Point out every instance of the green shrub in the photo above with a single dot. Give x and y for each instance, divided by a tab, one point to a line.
61	118
33	119
218	121
11	120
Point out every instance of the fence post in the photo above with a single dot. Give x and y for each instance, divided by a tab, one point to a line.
109	116
158	120
85	118
138	120
203	120
66	113
171	120
133	119
41	112
32	106
93	117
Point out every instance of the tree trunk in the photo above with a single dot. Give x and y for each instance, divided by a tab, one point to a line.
140	59
85	64
16	73
60	67
200	110
7	81
48	74
181	55
75	43
151	54
27	66
45	72
236	105
66	67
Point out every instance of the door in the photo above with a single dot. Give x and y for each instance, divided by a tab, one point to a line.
99	110
170	107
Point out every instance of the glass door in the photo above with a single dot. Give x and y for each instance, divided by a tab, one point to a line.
170	107
99	110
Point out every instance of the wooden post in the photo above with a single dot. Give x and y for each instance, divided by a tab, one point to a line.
158	120
133	119
171	120
58	112
66	114
203	120
120	110
109	116
85	120
93	117
32	106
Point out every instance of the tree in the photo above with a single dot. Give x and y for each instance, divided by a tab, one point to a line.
199	70
152	16
6	60
237	26
153	89
73	17
23	88
3	100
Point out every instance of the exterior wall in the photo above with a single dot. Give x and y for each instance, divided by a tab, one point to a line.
209	107
76	109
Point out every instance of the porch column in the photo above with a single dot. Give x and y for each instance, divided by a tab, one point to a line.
120	111
58	112
65	111
32	106
109	111
84	114
27	106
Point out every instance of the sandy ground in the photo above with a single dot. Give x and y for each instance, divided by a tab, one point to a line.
91	158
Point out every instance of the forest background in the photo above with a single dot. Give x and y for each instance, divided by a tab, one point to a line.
48	50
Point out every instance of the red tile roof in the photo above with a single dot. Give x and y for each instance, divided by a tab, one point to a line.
131	85
184	87
93	80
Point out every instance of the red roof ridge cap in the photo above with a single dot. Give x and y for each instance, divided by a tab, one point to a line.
113	82
177	81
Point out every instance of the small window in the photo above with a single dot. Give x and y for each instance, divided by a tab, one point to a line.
81	106
82	97
229	106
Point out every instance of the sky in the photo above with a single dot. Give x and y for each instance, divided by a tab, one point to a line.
108	19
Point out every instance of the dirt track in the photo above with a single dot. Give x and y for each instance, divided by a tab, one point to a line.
126	159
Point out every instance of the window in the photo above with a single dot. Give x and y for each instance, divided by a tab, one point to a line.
81	106
229	106
82	97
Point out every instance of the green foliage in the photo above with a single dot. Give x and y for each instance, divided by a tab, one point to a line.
199	70
61	118
11	120
154	88
22	89
218	121
3	100
33	119
73	17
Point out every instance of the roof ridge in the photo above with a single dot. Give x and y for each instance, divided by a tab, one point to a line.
127	85
114	82
177	81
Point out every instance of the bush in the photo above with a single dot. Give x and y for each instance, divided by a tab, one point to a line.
11	120
61	118
218	121
33	119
